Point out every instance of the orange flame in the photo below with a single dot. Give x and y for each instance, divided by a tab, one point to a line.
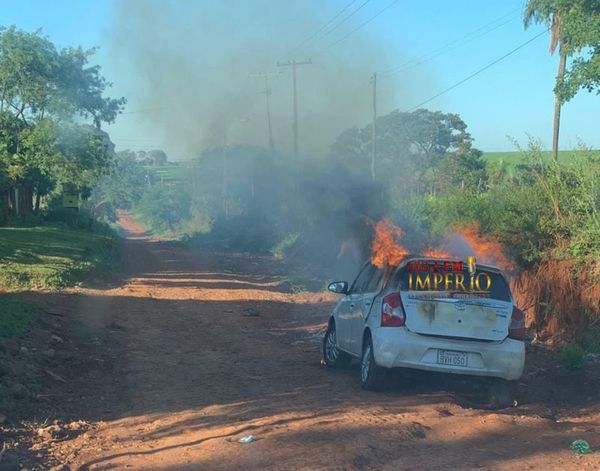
486	248
385	248
434	252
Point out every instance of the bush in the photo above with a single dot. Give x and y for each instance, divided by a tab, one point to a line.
162	208
571	357
247	232
283	245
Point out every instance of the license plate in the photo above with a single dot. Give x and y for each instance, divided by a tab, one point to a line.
447	357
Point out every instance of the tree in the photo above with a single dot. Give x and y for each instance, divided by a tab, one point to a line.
574	29
421	151
46	95
121	188
157	157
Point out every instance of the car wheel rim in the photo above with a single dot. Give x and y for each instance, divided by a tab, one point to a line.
331	349
365	364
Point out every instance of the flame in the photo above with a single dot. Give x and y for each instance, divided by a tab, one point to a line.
385	248
435	252
486	248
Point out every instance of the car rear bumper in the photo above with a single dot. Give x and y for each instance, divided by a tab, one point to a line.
398	347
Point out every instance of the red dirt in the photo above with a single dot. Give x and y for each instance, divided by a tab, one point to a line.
196	350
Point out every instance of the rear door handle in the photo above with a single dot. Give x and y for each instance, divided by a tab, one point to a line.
351	305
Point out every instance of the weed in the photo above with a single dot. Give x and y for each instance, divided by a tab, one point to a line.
571	357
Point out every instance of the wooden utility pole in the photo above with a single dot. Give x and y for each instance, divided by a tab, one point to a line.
267	93
293	65
373	130
562	64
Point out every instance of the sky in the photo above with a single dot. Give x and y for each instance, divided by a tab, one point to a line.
427	46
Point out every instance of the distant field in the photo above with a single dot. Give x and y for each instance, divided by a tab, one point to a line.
516	157
177	171
49	256
171	173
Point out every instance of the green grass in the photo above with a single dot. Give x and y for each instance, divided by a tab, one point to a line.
50	256
16	316
516	157
169	174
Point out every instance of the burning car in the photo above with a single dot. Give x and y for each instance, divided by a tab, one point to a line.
449	316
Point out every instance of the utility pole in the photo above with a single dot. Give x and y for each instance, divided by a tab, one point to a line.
294	64
267	93
374	134
224	189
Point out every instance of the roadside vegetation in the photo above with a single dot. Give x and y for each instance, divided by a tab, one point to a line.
51	255
52	154
545	213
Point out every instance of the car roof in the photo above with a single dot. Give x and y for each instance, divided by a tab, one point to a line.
415	257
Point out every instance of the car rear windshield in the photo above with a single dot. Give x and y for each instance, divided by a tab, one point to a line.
431	279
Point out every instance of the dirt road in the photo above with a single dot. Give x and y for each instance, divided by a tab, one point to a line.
194	350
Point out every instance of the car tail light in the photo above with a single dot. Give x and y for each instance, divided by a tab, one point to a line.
392	313
516	329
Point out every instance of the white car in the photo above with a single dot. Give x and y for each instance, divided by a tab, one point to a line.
429	314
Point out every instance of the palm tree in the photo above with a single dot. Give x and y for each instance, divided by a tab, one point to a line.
548	12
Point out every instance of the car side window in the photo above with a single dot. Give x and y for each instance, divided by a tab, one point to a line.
363	278
375	281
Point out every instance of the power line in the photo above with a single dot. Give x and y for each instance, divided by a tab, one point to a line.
448	47
342	21
521	46
364	23
309	38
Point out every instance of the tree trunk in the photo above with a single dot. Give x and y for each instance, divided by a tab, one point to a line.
562	63
17	202
4	201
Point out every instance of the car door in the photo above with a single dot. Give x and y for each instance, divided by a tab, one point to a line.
346	308
357	292
362	307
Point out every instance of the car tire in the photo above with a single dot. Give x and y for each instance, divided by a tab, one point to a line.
502	393
372	376
332	355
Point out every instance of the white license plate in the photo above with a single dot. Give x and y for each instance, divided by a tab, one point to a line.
448	357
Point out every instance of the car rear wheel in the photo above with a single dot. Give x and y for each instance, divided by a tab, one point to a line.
371	376
503	393
333	356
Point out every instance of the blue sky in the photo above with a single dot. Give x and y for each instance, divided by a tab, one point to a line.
513	98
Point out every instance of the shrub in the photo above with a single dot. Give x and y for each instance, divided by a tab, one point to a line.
571	357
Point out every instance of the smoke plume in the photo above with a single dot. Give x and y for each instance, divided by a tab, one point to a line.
196	62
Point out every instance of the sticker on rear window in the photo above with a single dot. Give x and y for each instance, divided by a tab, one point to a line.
427	279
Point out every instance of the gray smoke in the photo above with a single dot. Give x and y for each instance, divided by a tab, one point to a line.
193	62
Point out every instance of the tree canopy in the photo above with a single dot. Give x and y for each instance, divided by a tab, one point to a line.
52	105
575	27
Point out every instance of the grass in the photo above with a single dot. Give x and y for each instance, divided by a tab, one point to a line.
169	174
516	157
281	247
16	316
50	256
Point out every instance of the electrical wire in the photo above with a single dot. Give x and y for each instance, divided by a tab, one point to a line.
309	38
453	44
474	74
364	23
342	21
